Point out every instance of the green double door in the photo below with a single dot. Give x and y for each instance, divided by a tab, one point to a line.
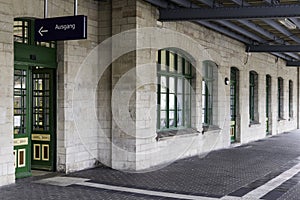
34	119
34	100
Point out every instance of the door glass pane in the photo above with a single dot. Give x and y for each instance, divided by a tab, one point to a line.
41	102
19	101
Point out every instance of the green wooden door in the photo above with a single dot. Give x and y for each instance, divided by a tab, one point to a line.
34	100
233	103
22	126
43	122
268	99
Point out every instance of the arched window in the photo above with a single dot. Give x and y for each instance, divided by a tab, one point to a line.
280	98
290	99
174	73
253	97
268	103
234	98
209	92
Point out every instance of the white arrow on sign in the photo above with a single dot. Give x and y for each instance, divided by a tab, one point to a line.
41	31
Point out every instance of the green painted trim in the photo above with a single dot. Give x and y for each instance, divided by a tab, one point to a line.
44	57
23	174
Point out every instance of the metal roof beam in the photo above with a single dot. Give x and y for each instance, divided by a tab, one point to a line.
273	48
247	12
160	3
293	63
224	31
187	3
271	23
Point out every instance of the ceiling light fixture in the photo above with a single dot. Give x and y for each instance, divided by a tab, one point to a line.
288	23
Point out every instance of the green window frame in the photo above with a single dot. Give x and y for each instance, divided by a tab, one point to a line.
24	33
21	31
280	98
207	92
174	73
290	99
253	96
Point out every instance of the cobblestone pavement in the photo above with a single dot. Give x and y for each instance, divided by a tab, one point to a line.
267	169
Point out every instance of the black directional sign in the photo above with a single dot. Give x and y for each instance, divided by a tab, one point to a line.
61	28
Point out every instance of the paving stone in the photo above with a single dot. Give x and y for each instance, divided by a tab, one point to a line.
215	175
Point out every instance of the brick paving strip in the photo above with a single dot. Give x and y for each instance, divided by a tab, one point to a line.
265	191
273	185
266	169
144	192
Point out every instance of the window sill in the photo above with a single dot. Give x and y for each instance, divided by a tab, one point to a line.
281	119
172	133
210	128
254	124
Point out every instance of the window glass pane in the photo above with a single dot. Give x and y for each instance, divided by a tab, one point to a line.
179	110
187	68
187	86
172	101
163	59
163	101
172	84
179	118
179	65
179	86
163	119
163	83
21	34
19	101
171	119
187	111
172	62
179	102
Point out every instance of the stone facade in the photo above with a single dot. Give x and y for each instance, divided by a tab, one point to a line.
111	119
226	53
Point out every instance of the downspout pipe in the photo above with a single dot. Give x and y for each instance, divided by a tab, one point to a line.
75	7
298	98
45	8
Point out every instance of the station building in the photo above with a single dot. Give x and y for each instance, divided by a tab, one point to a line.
139	92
